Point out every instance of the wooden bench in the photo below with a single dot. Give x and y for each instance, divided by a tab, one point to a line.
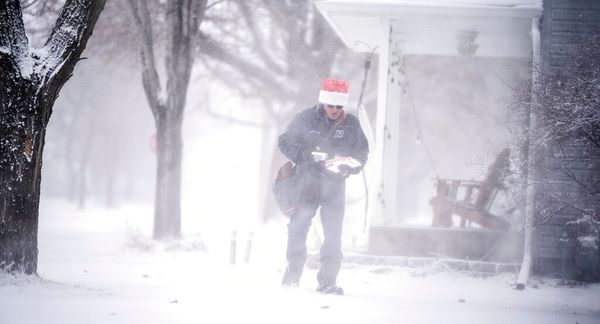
473	205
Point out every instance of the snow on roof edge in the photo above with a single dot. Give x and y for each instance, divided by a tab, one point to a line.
501	4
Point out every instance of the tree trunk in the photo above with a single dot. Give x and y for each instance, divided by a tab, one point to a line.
29	84
22	139
183	19
167	208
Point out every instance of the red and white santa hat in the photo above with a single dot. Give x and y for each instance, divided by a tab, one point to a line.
334	92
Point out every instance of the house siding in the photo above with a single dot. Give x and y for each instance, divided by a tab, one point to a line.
563	23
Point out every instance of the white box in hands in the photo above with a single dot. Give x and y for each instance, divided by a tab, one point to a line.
334	164
319	156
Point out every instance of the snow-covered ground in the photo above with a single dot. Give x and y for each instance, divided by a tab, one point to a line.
98	266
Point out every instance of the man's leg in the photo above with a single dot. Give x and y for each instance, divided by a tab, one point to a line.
296	245
332	218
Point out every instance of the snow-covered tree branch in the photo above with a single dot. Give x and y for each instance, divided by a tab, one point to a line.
13	42
277	52
566	106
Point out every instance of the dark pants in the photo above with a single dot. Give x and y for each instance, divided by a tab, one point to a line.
329	194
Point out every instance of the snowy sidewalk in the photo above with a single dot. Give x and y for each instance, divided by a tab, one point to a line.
183	289
89	275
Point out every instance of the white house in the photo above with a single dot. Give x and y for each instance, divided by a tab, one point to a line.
401	29
445	68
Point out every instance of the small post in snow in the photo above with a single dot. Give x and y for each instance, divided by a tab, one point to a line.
248	248
232	247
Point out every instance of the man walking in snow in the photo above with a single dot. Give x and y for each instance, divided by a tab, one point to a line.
317	139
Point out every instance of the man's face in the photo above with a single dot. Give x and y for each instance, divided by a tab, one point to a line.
333	112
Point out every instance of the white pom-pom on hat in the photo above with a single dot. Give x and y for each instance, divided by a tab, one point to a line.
334	92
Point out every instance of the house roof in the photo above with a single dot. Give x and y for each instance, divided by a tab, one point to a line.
492	28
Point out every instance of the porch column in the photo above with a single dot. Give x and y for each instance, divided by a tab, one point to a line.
375	212
383	193
532	159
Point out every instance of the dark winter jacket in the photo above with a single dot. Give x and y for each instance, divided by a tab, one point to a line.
308	132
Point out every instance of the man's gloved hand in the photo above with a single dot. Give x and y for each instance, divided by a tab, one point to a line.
355	170
346	170
307	155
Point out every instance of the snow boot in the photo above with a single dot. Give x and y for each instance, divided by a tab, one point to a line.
330	290
290	279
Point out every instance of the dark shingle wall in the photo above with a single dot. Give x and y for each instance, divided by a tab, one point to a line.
563	23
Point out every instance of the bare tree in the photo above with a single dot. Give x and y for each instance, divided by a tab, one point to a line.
82	161
282	50
567	107
277	52
167	102
565	154
31	80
